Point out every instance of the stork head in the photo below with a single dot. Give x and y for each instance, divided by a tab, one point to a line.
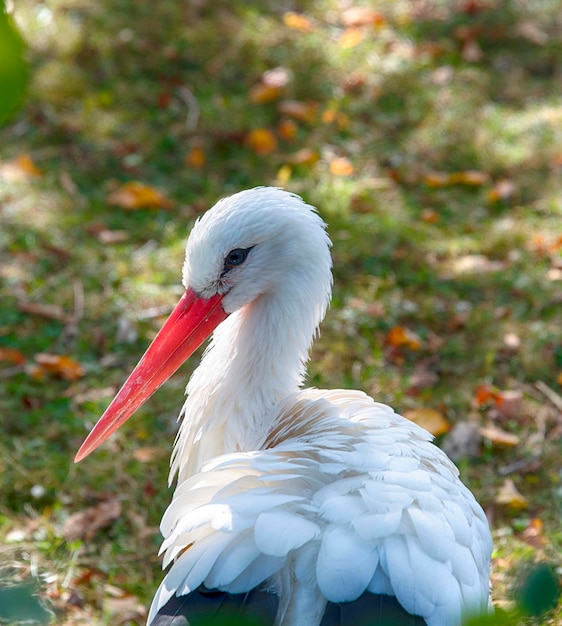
259	242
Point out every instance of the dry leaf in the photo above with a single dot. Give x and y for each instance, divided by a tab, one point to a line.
134	195
19	169
108	237
297	21
149	454
351	38
533	534
302	111
56	365
509	403
485	393
261	93
433	421
471	263
400	336
284	174
271	85
11	355
510	496
195	158
341	167
362	16
305	156
502	190
287	129
499	437
262	141
429	216
85	524
472	178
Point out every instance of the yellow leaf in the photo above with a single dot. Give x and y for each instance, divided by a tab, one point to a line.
297	21
341	167
262	141
136	195
19	169
436	179
400	336
559	378
469	177
195	158
284	174
351	37
261	93
510	496
433	421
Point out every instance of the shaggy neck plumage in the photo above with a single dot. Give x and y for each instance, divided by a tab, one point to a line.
256	359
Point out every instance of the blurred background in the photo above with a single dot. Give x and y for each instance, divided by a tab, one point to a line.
428	133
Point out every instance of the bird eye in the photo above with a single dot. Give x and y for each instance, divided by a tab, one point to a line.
235	257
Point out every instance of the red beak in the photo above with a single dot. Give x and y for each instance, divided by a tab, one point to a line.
189	324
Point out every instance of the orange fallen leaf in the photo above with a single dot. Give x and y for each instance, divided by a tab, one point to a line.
19	169
262	141
298	110
341	167
287	129
499	437
400	336
362	16
509	495
297	21
134	195
56	365
195	158
11	355
559	378
433	421
351	37
485	393
429	216
85	524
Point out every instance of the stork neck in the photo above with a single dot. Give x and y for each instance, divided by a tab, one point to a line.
256	359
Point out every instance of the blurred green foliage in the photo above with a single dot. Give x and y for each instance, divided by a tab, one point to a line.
13	68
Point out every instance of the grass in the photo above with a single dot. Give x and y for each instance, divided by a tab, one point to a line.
124	91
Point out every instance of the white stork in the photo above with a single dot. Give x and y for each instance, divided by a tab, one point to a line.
306	506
